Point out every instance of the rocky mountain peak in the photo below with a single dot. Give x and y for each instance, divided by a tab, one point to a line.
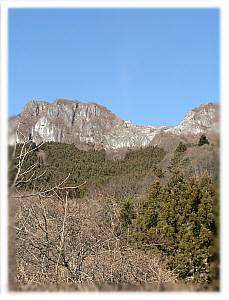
92	125
34	107
200	119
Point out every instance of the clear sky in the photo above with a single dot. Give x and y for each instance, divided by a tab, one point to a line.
147	65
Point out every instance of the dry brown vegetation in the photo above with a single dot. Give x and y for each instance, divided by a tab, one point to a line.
74	244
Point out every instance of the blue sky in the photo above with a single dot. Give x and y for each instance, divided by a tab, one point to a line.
147	65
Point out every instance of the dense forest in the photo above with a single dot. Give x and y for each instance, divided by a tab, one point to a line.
81	221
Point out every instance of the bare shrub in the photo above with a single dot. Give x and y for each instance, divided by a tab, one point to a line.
72	244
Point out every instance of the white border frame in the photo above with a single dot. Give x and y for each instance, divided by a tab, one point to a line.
223	6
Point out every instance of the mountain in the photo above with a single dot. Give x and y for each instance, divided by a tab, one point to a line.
202	119
90	125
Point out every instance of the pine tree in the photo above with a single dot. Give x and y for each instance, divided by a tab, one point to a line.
182	218
181	147
187	224
144	225
203	140
127	213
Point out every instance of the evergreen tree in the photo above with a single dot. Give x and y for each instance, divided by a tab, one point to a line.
181	147
147	219
127	212
181	218
203	140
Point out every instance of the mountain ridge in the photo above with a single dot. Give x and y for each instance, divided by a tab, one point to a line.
91	125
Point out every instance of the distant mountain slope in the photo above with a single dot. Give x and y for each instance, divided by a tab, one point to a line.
198	120
90	125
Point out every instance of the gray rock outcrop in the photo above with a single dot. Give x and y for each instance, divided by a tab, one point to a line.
90	125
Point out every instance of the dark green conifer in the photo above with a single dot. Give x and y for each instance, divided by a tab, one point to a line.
185	226
181	147
127	212
203	140
147	219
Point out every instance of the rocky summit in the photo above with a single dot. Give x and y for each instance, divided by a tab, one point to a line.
90	125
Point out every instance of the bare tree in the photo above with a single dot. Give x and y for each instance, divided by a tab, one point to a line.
37	211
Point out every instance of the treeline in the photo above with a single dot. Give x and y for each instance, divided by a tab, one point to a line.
91	167
128	176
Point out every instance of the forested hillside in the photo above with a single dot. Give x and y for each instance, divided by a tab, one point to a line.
148	221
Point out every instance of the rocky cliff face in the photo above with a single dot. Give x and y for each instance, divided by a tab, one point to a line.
202	119
91	125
